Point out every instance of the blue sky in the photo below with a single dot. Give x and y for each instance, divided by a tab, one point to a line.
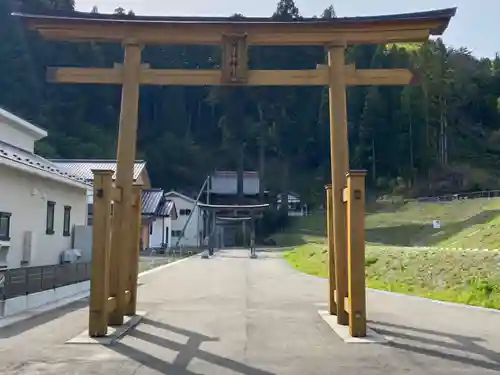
474	26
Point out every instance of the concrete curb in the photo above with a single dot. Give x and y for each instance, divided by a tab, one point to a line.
417	248
446	303
29	314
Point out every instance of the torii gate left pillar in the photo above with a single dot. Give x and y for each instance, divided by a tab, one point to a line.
126	150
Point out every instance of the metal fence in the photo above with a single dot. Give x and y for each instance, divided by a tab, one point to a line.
458	196
17	282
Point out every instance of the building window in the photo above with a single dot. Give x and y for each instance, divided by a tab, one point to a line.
89	213
5	226
185	212
67	221
176	233
51	206
150	228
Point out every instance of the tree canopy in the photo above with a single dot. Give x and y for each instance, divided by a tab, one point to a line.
438	136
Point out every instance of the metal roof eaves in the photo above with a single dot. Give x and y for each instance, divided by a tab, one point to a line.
44	168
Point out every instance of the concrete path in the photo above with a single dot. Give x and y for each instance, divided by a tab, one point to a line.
234	315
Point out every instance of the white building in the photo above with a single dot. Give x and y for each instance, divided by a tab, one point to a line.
225	183
295	205
158	216
40	203
185	206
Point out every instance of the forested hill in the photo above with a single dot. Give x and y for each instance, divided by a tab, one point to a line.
444	130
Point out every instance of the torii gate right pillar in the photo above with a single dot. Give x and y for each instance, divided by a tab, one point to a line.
339	155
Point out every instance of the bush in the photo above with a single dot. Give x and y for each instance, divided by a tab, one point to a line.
272	221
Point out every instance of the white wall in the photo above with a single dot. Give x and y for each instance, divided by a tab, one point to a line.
16	137
160	226
25	196
227	183
191	234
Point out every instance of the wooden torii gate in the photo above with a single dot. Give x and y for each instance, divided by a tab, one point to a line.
234	35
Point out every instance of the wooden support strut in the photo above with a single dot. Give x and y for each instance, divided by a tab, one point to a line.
356	306
202	77
332	305
101	243
127	135
135	229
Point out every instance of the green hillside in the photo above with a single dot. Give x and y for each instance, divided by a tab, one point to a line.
473	223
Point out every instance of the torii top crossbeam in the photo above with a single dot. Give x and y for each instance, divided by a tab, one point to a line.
76	26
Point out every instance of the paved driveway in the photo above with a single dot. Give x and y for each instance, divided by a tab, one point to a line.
235	315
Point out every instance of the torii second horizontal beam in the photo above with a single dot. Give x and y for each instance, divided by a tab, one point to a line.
212	77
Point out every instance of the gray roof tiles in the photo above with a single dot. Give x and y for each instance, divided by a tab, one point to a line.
83	168
154	203
167	208
13	153
150	199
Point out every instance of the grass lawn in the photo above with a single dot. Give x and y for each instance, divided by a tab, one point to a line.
472	223
456	276
464	276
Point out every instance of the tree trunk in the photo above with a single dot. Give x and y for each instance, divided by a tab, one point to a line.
262	153
284	187
262	162
374	162
412	157
445	133
240	174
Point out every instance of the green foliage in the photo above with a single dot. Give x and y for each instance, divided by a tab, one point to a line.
421	139
272	221
468	277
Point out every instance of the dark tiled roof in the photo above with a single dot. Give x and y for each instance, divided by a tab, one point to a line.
154	203
166	208
83	168
150	199
13	153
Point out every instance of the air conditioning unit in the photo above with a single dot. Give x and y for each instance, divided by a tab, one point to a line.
28	245
4	251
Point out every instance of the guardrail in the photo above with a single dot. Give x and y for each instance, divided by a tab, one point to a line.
457	196
18	282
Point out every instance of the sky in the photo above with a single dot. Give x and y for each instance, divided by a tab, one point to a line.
474	26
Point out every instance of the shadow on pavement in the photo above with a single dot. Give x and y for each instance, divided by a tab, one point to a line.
466	349
38	320
185	352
